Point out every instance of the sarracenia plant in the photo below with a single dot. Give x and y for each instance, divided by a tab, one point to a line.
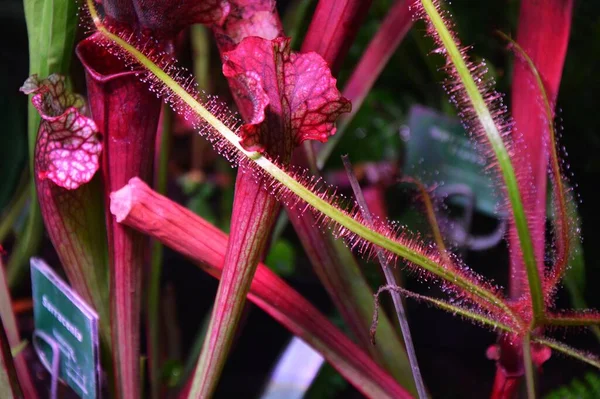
285	99
518	319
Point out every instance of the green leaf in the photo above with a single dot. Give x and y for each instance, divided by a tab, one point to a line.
51	26
282	258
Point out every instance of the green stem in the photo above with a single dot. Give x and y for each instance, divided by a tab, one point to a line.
567	350
529	368
488	124
14	210
28	243
156	263
450	308
574	321
391	281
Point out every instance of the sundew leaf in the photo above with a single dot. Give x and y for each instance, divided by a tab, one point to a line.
482	112
213	120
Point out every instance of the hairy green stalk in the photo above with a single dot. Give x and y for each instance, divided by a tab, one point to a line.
488	124
529	367
156	263
294	186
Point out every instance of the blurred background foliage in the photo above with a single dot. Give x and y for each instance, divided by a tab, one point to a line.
411	77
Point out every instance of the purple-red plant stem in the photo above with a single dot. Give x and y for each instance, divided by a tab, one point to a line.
10	328
333	28
543	33
127	114
392	31
391	281
9	381
137	206
253	216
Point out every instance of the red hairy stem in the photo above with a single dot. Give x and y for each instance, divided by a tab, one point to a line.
543	33
138	206
127	114
333	28
11	338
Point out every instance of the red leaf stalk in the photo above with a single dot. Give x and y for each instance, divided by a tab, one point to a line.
9	383
254	210
127	114
10	332
67	156
333	29
543	33
136	205
382	46
392	31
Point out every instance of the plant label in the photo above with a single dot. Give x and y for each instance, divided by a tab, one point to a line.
64	320
438	151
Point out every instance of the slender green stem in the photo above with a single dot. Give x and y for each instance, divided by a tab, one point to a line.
455	310
14	210
294	186
529	368
391	281
430	212
567	350
28	242
156	263
573	321
488	124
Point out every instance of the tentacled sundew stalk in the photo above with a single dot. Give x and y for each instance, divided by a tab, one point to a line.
481	109
219	127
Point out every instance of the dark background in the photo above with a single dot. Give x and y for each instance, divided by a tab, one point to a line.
451	351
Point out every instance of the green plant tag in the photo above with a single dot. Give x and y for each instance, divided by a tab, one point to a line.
438	151
62	316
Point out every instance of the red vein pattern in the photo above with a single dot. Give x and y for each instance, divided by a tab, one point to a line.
68	146
299	89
